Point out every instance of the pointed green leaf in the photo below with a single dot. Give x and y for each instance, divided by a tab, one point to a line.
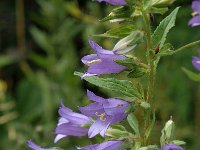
193	76
133	122
166	50
162	30
119	32
123	87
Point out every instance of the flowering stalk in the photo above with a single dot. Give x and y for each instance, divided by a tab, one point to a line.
103	115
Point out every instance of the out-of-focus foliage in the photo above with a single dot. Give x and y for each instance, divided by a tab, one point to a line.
33	84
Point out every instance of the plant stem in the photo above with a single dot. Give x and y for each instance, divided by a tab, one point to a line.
196	43
151	78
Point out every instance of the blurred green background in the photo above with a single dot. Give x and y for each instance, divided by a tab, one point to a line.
41	44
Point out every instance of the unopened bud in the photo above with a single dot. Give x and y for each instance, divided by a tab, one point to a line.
167	132
162	3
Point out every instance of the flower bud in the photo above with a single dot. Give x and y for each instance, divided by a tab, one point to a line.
162	3
128	43
167	132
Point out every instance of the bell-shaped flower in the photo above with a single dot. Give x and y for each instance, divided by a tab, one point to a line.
102	62
172	147
195	21
109	145
70	123
104	111
34	146
114	2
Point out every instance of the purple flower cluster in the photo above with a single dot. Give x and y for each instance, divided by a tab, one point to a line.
98	115
195	21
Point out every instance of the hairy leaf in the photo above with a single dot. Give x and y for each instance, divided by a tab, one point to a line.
133	122
162	30
123	87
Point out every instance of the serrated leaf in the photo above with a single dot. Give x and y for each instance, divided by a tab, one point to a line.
162	30
123	87
133	122
193	76
119	32
137	72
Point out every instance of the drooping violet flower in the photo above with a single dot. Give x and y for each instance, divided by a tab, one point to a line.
102	62
196	62
104	111
114	2
109	145
172	147
34	146
195	21
70	123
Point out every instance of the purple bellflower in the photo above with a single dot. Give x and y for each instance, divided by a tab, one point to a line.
34	146
109	145
70	124
195	21
114	2
104	111
102	62
172	147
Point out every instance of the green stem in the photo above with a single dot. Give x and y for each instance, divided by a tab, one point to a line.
151	78
196	43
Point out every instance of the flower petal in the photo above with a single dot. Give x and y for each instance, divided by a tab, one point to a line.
98	48
195	21
93	97
75	118
58	137
89	58
98	126
196	62
105	67
109	145
114	2
196	6
34	146
172	147
115	106
70	130
92	109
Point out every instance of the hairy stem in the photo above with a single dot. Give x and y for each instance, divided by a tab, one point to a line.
151	77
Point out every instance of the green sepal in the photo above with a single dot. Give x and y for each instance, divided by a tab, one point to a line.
178	142
131	108
119	32
133	122
156	10
123	87
149	147
137	72
120	13
150	127
193	76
